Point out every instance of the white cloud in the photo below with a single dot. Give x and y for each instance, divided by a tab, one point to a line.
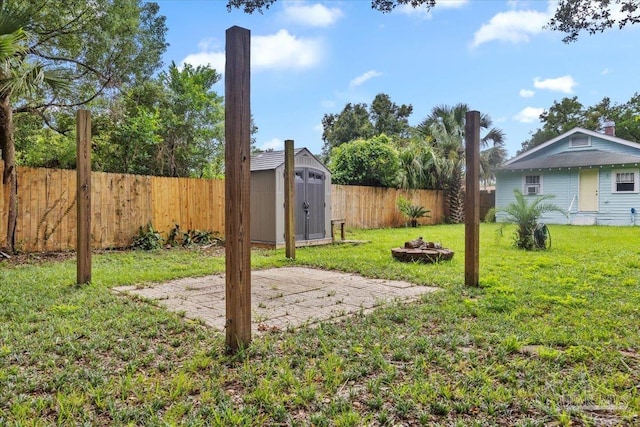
215	60
276	51
363	78
513	26
451	4
316	15
526	93
529	115
273	144
606	71
425	12
562	84
283	50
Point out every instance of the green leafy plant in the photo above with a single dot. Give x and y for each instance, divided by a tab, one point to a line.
525	215
412	212
197	237
147	239
490	216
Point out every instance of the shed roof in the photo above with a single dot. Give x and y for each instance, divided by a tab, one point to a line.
574	159
270	160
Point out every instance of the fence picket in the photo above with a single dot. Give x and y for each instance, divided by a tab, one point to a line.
123	203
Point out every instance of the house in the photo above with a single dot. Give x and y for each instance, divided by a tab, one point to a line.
312	209
593	176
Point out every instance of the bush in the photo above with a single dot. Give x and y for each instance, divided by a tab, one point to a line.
147	239
372	162
526	215
413	212
490	216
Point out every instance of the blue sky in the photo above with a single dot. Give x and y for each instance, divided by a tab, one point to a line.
311	58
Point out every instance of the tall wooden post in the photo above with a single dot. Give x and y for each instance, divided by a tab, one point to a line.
289	200
83	169
237	187
472	200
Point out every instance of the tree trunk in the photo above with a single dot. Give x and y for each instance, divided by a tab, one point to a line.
10	175
455	200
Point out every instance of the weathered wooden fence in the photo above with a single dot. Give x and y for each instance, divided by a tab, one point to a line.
120	204
487	201
374	207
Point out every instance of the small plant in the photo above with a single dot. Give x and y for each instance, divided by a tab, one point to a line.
147	239
490	216
197	237
526	215
412	212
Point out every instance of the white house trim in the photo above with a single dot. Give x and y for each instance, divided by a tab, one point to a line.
569	133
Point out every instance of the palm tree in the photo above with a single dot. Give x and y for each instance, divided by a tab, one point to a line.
18	76
445	129
526	215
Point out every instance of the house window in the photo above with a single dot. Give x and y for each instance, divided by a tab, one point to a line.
625	181
579	141
532	185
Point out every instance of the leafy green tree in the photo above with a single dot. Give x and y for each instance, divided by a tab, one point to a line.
569	113
389	118
444	127
352	123
526	215
193	120
417	166
372	162
574	16
358	121
53	61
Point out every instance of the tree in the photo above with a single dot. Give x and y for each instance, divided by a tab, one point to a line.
569	113
571	16
389	118
574	16
93	48
372	162
351	124
445	129
357	121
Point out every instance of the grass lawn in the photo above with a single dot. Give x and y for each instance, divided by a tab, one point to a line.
550	338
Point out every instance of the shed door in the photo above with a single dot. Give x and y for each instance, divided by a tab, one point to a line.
315	198
310	204
588	197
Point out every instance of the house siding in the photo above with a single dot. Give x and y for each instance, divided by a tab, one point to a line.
613	208
562	146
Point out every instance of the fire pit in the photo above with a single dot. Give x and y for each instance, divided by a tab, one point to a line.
419	250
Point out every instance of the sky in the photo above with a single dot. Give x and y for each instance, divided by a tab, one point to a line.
310	58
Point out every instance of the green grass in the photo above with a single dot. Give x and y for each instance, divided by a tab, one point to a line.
549	338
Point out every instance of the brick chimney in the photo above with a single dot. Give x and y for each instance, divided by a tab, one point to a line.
609	128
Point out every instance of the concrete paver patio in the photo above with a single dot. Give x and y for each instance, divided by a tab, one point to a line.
281	298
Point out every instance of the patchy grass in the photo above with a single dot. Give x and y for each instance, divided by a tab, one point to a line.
550	338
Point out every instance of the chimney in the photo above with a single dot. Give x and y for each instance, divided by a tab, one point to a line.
609	128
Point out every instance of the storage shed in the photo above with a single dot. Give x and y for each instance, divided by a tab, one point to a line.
312	199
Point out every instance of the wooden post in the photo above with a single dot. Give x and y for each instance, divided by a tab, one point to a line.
237	188
472	200
83	169
289	200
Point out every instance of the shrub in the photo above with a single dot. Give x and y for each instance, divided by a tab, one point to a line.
412	212
490	216
147	239
526	215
